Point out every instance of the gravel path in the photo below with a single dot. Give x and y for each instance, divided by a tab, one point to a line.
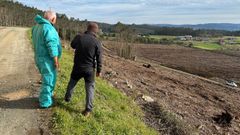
19	113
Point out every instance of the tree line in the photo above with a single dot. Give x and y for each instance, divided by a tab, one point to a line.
196	33
181	31
16	14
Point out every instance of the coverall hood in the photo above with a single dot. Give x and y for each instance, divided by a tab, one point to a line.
40	20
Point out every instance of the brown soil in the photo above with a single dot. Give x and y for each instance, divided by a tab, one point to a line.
196	61
194	100
16	95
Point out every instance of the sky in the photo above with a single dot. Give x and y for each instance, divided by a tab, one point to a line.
145	11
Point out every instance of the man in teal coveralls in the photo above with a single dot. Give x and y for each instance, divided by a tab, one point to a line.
47	48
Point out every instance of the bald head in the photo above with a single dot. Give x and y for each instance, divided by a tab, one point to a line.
51	16
93	27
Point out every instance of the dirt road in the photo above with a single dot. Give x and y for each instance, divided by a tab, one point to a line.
18	85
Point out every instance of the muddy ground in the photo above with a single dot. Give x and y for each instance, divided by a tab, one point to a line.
19	113
195	101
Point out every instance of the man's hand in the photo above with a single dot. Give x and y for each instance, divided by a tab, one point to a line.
98	74
56	64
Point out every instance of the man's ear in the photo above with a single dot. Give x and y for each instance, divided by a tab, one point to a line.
53	20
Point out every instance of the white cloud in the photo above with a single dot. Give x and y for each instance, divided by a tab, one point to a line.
146	11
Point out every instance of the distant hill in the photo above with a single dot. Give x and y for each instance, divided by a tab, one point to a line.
17	14
214	26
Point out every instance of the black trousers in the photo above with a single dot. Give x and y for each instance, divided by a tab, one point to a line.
89	78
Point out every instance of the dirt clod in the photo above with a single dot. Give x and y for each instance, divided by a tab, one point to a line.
147	65
223	119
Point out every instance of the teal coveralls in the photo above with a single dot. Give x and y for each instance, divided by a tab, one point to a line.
47	45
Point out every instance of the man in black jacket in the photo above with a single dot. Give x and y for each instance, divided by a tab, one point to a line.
88	56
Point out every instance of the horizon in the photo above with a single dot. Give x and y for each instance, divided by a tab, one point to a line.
174	12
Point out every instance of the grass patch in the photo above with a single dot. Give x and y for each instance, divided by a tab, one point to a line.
207	46
114	113
238	40
162	37
29	35
174	125
166	122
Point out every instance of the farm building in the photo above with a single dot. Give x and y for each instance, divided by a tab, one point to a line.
184	38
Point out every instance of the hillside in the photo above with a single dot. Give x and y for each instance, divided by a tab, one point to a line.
194	101
114	113
179	30
214	26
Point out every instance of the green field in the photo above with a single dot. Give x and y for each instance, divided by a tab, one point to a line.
238	40
162	37
114	113
211	44
207	46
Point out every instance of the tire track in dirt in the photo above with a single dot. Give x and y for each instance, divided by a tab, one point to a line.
19	113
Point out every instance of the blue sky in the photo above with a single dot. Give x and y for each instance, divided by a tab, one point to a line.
146	11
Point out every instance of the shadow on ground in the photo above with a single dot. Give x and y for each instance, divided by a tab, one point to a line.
24	103
60	103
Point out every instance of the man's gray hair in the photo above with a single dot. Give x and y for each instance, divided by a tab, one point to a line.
49	15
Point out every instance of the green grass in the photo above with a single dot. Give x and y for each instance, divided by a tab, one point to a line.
162	37
29	34
207	46
238	40
114	113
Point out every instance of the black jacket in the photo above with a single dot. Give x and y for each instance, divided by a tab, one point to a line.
88	52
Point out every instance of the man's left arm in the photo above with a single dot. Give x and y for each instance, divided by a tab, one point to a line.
99	58
75	41
52	43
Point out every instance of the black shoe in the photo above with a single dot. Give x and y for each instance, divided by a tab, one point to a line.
67	99
86	113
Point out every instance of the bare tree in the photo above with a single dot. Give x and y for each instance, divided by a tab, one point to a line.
125	37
